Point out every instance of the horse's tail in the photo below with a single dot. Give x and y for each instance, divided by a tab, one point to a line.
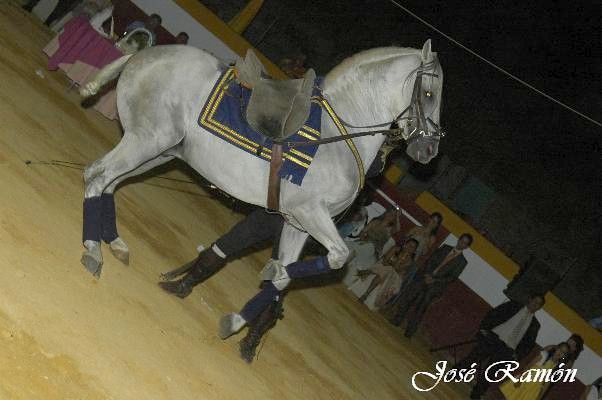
107	74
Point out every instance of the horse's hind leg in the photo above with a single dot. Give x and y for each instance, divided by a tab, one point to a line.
129	155
118	247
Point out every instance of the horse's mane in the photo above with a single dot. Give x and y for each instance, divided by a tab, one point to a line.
352	67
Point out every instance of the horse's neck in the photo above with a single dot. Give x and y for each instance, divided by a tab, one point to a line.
361	106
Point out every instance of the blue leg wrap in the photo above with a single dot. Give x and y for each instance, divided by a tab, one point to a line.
92	219
109	219
257	304
301	269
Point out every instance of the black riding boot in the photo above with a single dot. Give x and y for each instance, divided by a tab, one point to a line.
266	320
207	264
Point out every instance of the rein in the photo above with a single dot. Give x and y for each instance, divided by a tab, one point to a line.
414	110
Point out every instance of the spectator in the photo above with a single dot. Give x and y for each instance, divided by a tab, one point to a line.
575	343
371	244
377	285
426	235
350	230
152	23
546	360
507	332
443	267
182	38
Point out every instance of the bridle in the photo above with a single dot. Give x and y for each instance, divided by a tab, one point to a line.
417	126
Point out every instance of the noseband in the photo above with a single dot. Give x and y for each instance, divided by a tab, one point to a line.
418	124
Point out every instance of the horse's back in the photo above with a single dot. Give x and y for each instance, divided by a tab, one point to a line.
160	85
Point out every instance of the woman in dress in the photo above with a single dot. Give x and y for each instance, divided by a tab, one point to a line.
535	390
366	251
379	284
575	343
426	235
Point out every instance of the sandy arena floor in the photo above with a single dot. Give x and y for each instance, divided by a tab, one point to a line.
65	335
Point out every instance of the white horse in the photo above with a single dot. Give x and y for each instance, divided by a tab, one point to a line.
161	92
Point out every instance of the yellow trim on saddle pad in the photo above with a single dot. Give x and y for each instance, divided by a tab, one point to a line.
228	134
358	159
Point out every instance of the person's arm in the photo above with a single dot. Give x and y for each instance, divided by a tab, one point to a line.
528	341
499	314
390	255
371	225
411	232
375	282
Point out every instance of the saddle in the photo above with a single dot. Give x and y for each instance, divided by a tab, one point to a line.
276	109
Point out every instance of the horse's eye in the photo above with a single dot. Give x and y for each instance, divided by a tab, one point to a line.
428	93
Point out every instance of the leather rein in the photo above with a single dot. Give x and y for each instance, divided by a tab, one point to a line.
417	125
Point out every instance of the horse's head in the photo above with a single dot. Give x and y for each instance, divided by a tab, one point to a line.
420	121
376	87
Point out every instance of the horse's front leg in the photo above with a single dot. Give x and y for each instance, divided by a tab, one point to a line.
318	223
291	243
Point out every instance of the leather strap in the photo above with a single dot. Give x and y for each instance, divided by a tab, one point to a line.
274	179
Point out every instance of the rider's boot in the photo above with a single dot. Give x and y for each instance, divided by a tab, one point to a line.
207	263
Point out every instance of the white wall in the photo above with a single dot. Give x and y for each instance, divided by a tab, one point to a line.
488	283
177	20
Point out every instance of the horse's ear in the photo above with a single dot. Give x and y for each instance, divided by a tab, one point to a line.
426	51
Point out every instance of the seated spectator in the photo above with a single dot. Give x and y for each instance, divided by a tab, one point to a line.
152	23
371	244
182	38
508	332
443	267
377	285
350	230
546	360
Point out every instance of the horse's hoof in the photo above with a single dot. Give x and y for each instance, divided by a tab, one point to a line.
92	264
92	257
229	324
89	89
120	250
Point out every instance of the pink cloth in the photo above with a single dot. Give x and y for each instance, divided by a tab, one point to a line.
80	42
80	52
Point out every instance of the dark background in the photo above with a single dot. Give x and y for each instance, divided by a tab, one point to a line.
538	155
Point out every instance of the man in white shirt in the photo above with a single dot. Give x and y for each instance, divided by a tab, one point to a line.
507	333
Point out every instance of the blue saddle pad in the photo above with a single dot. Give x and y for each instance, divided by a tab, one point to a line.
224	116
